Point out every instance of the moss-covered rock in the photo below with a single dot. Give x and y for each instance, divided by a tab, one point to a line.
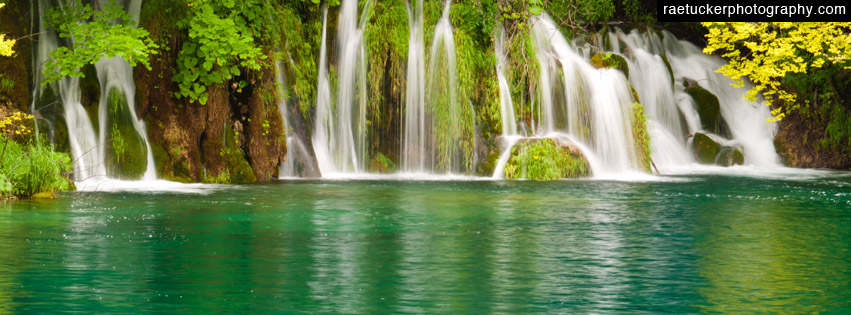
640	137
708	150
545	159
381	164
126	154
237	170
708	107
611	61
730	155
705	148
787	157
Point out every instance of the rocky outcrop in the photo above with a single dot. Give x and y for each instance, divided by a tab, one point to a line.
799	143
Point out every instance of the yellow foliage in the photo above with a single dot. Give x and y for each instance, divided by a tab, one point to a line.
764	52
15	125
6	44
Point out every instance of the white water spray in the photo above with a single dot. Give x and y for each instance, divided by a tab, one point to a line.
87	146
432	131
593	106
666	101
339	138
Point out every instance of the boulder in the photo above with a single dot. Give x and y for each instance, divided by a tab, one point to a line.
709	150
611	61
545	159
708	107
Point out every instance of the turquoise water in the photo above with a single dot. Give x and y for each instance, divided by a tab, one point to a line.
691	244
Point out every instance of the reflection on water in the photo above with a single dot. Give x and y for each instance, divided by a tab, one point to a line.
704	245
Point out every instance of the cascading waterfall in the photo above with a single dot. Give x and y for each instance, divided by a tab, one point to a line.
87	146
413	143
666	101
81	134
432	131
591	106
339	138
506	107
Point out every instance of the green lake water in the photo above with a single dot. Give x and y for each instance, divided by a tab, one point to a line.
690	244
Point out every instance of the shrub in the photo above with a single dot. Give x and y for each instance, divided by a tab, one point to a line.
30	168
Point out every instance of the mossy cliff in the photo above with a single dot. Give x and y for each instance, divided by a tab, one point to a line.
190	140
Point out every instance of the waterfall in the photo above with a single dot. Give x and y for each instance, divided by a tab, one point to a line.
81	134
413	142
87	146
299	161
432	130
340	129
509	124
506	107
591	106
116	73
671	111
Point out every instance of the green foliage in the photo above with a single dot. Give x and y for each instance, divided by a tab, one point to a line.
382	164
107	33
6	84
223	37
640	137
825	104
300	29
26	170
544	159
636	13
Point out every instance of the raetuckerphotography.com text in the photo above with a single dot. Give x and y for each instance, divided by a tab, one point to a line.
727	12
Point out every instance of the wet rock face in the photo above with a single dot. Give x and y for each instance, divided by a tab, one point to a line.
708	107
708	150
193	142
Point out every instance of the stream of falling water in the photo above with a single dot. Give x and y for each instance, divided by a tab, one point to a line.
431	142
672	113
591	105
87	146
339	137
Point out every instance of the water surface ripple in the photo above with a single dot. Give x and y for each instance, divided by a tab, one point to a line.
702	244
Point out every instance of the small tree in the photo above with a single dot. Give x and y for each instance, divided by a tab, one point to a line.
766	52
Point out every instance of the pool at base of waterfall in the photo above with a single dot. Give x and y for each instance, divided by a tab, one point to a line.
695	243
